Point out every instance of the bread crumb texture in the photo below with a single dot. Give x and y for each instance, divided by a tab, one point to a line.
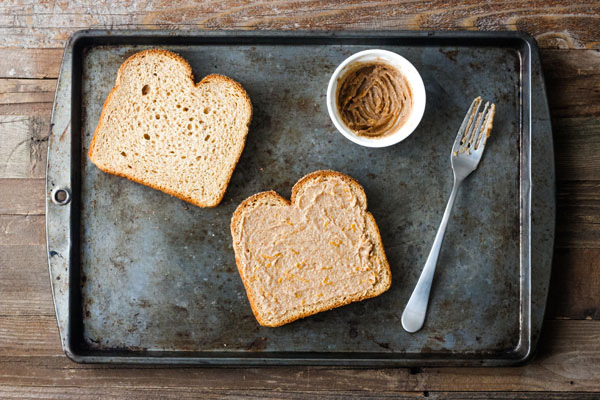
319	251
160	129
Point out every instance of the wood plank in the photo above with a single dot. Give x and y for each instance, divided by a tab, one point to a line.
573	82
573	86
24	281
556	24
42	110
34	63
22	196
14	153
15	91
568	360
24	278
577	145
510	395
578	214
16	392
28	336
24	146
575	284
12	392
22	230
568	64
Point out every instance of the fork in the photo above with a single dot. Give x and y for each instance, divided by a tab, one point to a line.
466	153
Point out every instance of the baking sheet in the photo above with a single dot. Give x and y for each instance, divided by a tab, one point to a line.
153	279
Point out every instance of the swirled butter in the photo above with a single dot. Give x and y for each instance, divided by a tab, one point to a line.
374	99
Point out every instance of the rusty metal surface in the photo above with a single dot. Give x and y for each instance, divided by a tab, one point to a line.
58	217
153	279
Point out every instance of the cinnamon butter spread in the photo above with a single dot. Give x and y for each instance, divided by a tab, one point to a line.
314	250
374	99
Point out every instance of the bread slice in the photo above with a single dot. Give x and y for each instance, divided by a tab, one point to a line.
320	251
159	129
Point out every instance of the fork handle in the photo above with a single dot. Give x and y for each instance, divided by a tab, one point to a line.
416	308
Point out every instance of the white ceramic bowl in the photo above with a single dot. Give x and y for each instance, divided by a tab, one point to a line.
414	80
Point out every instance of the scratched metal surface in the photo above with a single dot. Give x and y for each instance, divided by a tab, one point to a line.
158	274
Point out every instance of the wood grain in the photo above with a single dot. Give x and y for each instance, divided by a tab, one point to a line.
22	196
573	86
17	91
35	63
15	151
24	146
575	285
24	279
24	282
578	214
42	110
32	365
17	230
556	24
17	392
568	359
573	82
20	339
577	145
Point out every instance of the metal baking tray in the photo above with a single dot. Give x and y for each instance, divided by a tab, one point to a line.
142	277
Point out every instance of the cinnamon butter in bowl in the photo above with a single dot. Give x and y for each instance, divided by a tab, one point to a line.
376	98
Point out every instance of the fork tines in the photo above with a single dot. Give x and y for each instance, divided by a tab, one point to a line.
476	127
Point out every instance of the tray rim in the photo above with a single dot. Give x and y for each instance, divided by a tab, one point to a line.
63	295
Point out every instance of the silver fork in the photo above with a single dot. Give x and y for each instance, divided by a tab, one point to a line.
466	154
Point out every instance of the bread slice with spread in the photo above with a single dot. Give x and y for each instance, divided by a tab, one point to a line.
320	251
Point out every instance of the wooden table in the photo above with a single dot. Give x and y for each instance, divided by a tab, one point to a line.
32	363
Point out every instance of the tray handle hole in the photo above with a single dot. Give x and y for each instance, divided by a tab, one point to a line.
61	196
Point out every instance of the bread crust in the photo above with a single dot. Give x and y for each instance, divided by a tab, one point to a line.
320	307
208	78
